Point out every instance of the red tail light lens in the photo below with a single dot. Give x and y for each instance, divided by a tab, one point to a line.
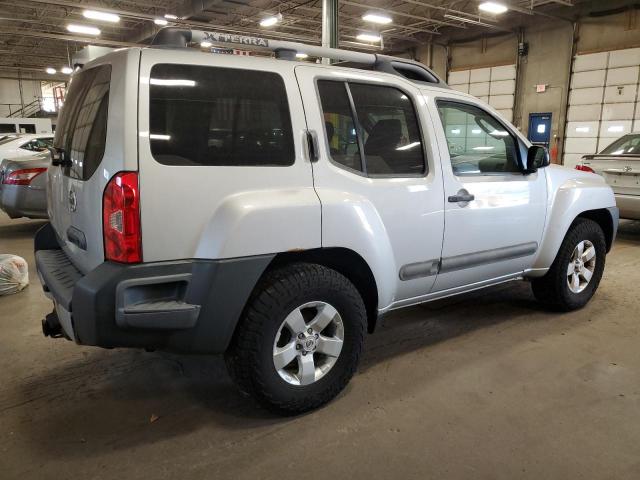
121	219
584	168
23	177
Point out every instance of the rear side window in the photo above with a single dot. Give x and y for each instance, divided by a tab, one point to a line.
215	116
371	128
82	128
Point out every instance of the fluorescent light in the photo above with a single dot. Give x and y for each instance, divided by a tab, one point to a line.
583	129
86	30
160	21
50	70
493	7
102	16
157	136
301	55
67	70
380	18
455	131
481	149
499	133
172	82
206	44
408	147
476	131
169	16
270	21
369	37
615	129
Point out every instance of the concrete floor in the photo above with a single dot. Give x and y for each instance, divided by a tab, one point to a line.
484	386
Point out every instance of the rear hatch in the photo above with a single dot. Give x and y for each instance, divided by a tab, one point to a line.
621	172
96	137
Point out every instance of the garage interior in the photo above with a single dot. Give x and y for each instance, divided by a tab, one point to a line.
485	385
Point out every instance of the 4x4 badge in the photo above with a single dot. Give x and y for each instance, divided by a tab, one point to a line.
73	201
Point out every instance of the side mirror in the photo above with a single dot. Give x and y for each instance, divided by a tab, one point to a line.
537	157
58	156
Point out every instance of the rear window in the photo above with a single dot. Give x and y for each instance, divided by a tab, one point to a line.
219	117
82	127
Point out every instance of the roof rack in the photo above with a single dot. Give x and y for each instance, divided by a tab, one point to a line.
176	37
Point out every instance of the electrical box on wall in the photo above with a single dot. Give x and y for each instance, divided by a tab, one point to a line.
523	49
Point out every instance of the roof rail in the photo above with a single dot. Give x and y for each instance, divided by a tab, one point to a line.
173	37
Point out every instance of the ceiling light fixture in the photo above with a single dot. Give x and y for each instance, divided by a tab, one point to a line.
102	16
86	30
206	44
369	37
169	16
67	70
380	18
50	71
160	21
302	55
493	7
271	20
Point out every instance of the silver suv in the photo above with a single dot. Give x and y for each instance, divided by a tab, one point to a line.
273	210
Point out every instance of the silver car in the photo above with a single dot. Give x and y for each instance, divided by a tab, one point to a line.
23	184
619	164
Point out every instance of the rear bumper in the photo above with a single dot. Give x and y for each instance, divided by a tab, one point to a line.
186	306
629	206
23	201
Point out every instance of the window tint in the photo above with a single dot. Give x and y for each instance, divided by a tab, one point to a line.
384	123
478	143
82	128
219	116
390	131
340	128
627	145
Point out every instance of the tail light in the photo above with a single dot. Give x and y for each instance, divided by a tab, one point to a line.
121	219
584	168
22	177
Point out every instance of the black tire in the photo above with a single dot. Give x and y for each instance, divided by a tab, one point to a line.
553	289
249	358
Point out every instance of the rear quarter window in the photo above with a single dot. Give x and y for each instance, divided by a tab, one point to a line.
82	127
212	116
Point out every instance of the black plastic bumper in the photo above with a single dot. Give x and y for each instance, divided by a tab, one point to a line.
187	305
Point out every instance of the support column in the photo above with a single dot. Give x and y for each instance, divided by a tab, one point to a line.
329	25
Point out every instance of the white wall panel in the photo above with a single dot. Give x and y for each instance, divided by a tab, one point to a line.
621	94
586	96
582	129
593	61
506	113
480	75
584	113
595	78
503	87
615	128
636	126
582	146
461	88
604	142
618	111
501	101
479	89
624	58
457	78
506	72
622	76
484	98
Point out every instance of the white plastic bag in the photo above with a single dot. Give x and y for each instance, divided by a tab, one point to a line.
14	274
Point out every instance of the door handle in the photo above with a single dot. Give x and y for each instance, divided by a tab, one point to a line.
462	196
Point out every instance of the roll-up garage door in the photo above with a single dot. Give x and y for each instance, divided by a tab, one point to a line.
494	85
603	101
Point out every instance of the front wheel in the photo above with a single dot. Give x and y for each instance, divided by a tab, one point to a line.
575	274
300	338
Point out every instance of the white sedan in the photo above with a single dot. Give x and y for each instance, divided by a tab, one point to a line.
14	146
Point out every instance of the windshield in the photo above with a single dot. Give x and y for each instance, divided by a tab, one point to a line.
627	145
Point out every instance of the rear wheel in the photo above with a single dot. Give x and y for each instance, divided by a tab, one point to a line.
299	341
575	274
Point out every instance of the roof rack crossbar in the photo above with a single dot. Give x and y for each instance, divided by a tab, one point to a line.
180	37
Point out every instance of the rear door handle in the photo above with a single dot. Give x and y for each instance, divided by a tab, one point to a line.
463	196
